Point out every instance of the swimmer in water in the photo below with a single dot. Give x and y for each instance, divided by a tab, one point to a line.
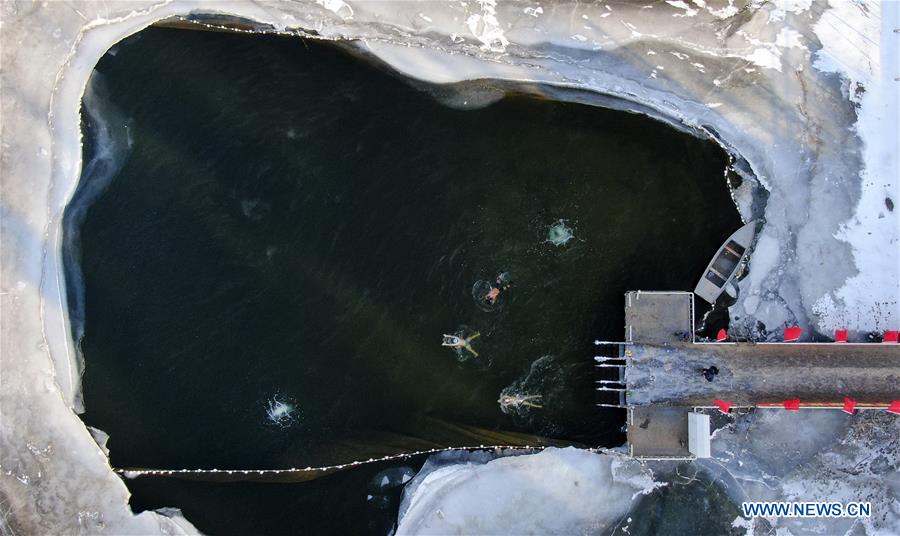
454	341
520	400
500	284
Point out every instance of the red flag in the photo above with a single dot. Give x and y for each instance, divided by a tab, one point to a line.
894	407
849	405
890	336
724	407
793	404
840	335
722	335
792	334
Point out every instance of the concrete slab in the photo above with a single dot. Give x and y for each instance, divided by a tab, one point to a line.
658	317
658	432
751	374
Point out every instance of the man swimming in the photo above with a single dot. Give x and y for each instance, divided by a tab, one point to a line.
499	285
507	401
455	341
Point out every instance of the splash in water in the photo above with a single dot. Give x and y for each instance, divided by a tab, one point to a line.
280	412
559	233
480	289
488	296
535	400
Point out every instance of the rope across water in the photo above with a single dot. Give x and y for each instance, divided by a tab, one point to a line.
135	472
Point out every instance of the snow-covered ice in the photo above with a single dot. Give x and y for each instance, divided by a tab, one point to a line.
860	43
813	455
764	455
558	491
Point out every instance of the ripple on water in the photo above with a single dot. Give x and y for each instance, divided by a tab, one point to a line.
528	399
482	288
559	234
281	411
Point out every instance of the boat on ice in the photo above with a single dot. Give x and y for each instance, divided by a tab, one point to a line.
725	263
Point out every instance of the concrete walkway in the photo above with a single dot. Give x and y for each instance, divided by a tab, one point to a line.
751	374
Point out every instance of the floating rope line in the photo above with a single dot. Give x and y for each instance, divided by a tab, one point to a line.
133	473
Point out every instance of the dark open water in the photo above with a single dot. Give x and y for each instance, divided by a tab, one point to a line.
293	229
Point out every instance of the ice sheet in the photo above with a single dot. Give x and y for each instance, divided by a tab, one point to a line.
558	491
813	455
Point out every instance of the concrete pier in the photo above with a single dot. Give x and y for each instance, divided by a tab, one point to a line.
753	374
663	378
658	432
659	317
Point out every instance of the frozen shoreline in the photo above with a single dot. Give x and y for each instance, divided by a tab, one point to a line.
821	456
746	76
467	494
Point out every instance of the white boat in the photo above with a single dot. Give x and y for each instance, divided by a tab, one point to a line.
725	263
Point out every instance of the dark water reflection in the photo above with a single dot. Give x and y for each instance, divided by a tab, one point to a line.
295	226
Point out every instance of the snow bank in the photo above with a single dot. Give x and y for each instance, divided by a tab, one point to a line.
558	491
860	43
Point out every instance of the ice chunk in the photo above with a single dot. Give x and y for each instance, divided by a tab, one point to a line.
391	478
558	491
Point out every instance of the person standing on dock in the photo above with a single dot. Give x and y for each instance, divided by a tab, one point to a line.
710	373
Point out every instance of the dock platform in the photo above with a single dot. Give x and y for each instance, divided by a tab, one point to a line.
659	317
660	378
658	432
